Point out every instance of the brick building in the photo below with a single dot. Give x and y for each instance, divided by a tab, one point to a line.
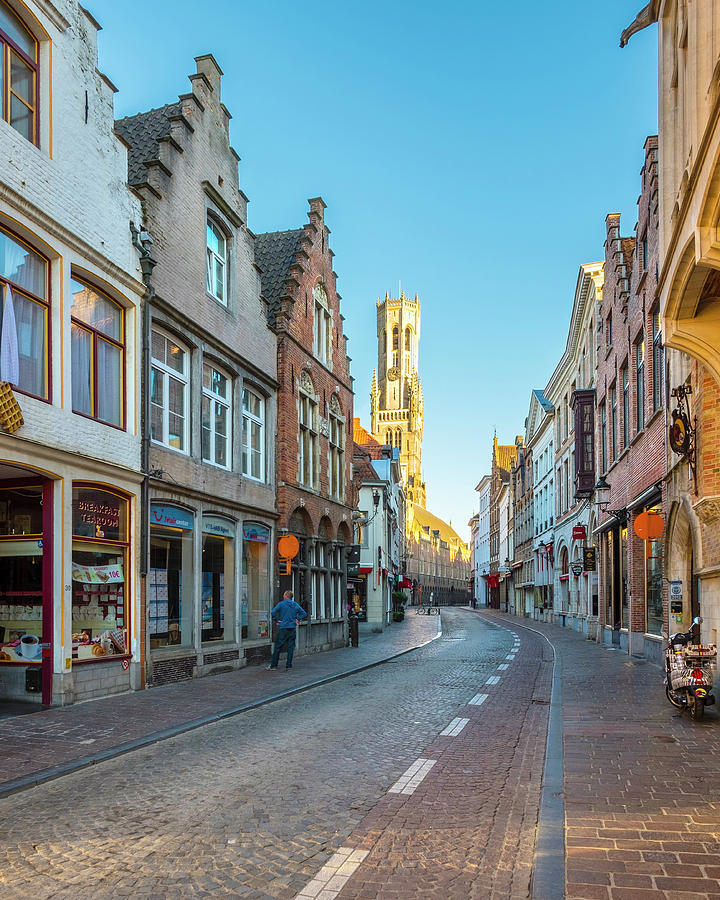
630	438
211	394
315	416
70	475
689	290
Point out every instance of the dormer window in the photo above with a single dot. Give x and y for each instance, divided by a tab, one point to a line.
19	74
216	263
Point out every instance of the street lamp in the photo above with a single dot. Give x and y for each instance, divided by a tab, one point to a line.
602	493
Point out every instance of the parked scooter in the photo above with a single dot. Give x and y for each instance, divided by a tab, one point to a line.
689	670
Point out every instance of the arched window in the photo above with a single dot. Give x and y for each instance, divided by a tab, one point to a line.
336	450
19	65
389	438
408	338
97	326
216	262
396	337
398	439
322	338
307	431
24	279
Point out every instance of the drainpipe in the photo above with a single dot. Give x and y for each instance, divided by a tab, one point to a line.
143	243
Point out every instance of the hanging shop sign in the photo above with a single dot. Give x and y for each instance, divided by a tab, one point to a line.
579	532
649	525
589	559
577	569
171	516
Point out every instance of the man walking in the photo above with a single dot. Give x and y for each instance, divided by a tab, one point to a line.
286	613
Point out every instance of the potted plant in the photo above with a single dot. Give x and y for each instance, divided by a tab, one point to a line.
399	599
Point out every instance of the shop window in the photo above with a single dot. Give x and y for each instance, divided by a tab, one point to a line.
216	250
170	579
100	596
21	583
98	355
255	586
24	288
169	393
216	417
218	581
253	435
654	581
19	72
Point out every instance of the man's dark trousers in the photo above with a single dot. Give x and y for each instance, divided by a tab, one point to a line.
285	640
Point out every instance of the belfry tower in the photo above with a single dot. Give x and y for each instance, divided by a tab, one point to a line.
396	399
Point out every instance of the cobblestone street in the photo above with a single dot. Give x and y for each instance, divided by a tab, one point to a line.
256	805
419	777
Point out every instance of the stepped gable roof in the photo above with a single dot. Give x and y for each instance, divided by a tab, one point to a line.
543	400
143	133
365	440
275	253
423	517
505	456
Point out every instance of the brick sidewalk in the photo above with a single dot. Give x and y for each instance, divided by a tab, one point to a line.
642	794
46	744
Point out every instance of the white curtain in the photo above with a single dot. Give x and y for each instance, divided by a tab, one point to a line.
9	361
81	368
109	383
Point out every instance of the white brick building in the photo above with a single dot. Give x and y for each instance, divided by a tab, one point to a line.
70	475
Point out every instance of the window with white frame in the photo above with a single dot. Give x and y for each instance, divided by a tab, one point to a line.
322	341
216	417
169	392
307	431
216	262
253	435
336	450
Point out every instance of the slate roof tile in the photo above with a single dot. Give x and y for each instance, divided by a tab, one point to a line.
275	252
143	133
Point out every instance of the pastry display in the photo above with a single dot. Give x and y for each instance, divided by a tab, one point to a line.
5	657
97	650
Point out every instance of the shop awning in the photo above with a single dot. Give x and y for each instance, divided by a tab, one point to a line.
365	570
406	583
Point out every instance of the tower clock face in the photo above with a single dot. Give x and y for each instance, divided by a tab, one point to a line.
393	373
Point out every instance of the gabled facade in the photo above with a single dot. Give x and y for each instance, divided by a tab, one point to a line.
315	420
503	459
539	439
523	559
631	409
574	376
70	450
211	417
482	544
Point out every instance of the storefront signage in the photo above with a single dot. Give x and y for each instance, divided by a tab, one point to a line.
98	574
577	569
218	526
125	664
171	516
97	514
579	533
676	590
253	532
589	559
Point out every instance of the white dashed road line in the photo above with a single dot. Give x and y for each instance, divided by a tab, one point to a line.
454	728
510	656
493	679
331	879
503	666
409	780
478	699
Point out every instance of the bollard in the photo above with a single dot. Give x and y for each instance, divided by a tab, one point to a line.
353	623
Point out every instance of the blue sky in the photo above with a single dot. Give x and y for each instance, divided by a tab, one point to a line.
470	150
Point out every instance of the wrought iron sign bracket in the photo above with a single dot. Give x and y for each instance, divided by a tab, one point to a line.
683	430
